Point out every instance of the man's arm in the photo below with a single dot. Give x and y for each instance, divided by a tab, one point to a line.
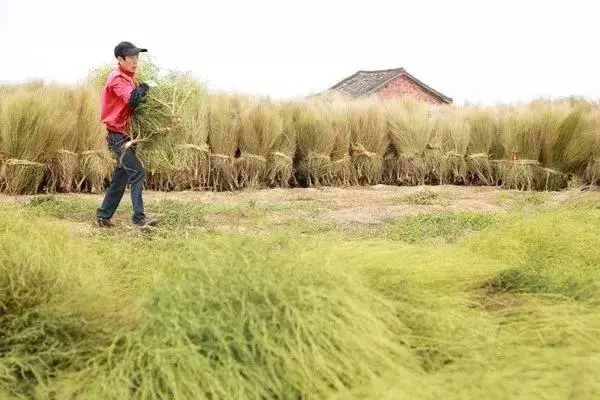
126	92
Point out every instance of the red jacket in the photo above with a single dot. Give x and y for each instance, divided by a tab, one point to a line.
115	98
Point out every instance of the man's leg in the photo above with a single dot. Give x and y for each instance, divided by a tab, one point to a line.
114	194
136	174
118	182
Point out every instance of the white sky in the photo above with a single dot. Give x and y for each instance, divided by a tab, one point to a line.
479	51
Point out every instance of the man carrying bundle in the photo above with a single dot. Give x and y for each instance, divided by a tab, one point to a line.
120	96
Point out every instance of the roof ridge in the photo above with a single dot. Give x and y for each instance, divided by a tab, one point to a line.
399	70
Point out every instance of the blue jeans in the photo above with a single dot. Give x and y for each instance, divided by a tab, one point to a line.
129	170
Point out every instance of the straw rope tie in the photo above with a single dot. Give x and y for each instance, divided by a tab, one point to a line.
525	162
221	156
282	155
478	156
202	148
313	155
552	171
15	161
359	150
91	152
341	160
409	156
454	154
66	152
255	157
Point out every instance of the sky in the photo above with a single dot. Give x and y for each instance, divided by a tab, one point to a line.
482	52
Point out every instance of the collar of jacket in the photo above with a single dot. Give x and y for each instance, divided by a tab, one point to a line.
123	70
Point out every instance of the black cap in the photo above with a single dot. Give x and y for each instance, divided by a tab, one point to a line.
127	49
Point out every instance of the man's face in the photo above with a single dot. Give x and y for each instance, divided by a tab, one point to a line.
129	63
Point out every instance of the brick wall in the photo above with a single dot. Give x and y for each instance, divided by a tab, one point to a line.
403	86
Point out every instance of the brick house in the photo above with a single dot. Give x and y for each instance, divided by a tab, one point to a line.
388	84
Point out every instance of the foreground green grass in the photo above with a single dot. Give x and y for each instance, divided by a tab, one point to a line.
445	305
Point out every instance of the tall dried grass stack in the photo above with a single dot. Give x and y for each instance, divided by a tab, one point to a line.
434	155
94	161
32	127
223	127
559	122
280	161
410	128
589	131
522	135
61	158
455	132
368	141
315	144
484	130
261	128
336	110
191	163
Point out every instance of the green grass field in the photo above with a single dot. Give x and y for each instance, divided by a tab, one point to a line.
249	300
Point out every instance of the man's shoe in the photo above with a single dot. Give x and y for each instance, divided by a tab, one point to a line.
104	223
147	221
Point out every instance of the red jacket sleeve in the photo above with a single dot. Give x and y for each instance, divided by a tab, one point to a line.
122	88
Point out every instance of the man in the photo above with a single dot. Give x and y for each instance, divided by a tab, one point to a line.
120	96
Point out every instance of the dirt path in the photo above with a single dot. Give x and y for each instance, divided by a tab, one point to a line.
362	205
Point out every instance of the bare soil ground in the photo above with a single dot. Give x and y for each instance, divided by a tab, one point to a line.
355	207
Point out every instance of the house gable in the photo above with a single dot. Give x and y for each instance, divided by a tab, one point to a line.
405	86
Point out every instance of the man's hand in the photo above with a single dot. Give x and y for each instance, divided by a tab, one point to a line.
138	94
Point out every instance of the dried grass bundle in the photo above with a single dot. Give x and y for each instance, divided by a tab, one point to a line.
484	131
369	141
411	126
33	125
223	126
315	144
280	161
95	162
454	132
192	153
261	128
589	133
521	131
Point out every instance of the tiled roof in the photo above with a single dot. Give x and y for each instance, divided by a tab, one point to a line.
367	82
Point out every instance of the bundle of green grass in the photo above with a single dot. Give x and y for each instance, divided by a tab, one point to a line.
168	127
157	127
